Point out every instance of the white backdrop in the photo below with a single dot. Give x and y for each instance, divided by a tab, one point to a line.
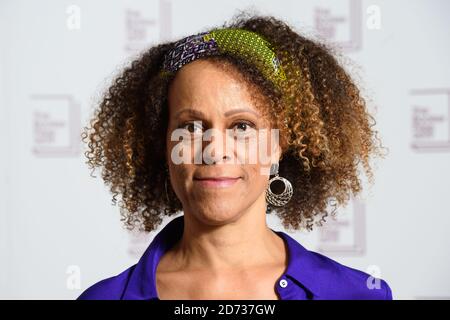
59	232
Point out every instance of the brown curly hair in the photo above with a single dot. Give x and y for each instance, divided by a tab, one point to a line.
325	129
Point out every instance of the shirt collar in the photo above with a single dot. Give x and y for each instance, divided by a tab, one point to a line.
303	267
306	268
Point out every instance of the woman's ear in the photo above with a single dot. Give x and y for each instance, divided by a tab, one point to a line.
275	155
276	152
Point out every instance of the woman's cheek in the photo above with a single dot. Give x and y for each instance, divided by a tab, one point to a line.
179	178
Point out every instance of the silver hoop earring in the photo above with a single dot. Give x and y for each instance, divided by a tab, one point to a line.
282	198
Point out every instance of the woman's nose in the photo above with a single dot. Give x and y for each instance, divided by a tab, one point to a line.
215	160
218	148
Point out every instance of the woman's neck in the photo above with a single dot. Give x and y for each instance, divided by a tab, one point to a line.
245	243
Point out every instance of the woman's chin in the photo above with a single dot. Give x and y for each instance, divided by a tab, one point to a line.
217	215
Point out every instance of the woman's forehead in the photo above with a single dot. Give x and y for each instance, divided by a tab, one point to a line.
205	85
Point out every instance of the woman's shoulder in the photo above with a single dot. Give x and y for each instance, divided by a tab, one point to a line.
111	288
328	279
343	282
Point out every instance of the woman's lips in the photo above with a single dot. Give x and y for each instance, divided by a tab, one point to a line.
217	182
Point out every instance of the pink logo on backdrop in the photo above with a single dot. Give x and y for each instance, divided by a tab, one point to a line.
343	28
431	120
346	236
56	125
140	29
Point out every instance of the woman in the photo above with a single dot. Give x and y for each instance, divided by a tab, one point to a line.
180	129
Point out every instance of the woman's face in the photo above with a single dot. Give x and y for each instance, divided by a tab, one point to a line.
218	156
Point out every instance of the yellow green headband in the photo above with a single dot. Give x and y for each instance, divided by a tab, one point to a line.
242	43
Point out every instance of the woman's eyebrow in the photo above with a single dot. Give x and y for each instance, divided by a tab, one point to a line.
234	111
199	113
191	111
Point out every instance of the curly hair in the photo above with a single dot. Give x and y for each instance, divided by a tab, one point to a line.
325	129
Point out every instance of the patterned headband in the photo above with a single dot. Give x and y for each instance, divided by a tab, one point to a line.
242	43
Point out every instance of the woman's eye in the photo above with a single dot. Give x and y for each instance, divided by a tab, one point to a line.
193	127
244	130
243	127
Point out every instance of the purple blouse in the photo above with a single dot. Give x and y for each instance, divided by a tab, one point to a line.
308	276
